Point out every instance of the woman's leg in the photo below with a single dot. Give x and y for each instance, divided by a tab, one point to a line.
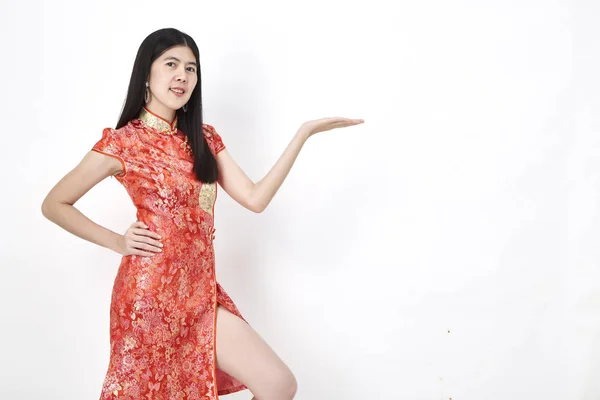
243	354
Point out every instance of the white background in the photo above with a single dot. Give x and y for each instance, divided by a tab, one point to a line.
447	248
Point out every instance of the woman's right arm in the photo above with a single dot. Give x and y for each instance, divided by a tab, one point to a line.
58	206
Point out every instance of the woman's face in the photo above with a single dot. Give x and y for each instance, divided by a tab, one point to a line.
173	78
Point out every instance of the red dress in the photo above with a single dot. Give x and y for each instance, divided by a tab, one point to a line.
163	308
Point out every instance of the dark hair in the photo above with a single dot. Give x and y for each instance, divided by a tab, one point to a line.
189	122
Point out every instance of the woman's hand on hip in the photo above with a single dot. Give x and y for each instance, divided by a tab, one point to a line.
140	241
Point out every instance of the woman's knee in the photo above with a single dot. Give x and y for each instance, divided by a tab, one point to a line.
289	385
283	386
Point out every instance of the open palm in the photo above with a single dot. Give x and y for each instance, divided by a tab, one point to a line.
329	123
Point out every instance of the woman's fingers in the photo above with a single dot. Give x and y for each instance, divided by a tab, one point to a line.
140	238
141	229
339	122
141	241
348	121
146	232
142	253
146	246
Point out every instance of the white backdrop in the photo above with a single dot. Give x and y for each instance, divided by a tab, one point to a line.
447	248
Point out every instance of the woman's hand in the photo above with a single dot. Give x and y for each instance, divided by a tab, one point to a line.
327	124
137	239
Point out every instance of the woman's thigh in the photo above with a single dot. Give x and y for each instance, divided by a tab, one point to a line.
243	354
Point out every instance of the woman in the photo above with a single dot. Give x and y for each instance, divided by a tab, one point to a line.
174	331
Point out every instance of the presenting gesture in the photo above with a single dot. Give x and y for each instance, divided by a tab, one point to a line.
327	124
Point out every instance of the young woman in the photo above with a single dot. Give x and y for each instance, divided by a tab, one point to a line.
174	332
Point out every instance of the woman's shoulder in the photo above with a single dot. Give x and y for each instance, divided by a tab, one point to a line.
208	130
125	134
214	140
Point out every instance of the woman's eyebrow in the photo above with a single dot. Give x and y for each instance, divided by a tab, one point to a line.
178	60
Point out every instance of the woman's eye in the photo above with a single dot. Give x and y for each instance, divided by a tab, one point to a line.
191	69
170	62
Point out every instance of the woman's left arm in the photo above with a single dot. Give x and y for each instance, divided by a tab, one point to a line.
257	196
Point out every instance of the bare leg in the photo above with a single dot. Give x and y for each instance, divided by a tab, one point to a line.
243	354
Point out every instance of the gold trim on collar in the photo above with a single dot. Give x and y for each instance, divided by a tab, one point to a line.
158	123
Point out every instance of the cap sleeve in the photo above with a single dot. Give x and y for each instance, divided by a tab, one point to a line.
112	144
213	139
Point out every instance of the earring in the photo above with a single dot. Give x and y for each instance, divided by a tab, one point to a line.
147	94
184	107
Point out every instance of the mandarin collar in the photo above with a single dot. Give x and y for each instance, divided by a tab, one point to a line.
158	123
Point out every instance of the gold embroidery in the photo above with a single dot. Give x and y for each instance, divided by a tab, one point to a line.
164	127
185	145
208	195
157	122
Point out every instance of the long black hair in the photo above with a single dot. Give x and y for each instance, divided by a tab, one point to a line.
189	122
